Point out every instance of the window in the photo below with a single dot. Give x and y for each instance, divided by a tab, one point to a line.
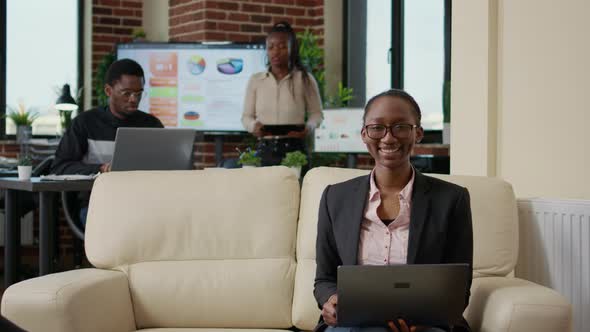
378	60
424	58
400	44
42	54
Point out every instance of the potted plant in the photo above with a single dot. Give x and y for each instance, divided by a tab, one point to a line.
138	34
23	119
25	167
312	57
249	158
101	72
295	160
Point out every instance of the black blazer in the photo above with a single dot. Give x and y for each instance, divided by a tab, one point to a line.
440	229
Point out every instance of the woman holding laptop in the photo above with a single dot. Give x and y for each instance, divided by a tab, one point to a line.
283	95
395	215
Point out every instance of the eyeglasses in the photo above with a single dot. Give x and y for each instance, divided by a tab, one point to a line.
401	130
128	94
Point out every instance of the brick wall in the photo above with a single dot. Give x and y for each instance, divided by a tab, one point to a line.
240	20
9	149
112	22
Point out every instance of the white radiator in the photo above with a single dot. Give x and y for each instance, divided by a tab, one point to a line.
555	250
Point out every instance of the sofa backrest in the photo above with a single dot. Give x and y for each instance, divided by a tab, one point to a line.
495	231
200	248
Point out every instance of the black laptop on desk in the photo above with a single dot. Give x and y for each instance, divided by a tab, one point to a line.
432	295
153	149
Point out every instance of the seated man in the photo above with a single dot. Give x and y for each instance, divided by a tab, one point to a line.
87	146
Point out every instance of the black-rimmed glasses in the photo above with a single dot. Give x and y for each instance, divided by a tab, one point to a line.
401	130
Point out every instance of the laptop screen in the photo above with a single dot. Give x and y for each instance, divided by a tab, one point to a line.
153	149
423	294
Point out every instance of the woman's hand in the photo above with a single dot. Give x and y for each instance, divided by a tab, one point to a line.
329	310
104	168
403	327
298	134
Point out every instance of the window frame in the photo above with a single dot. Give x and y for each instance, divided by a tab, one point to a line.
4	37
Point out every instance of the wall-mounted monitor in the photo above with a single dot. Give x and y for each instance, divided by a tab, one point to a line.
340	131
196	85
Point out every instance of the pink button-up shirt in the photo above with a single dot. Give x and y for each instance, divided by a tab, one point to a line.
381	244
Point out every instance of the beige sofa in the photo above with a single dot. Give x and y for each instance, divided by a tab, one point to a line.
234	249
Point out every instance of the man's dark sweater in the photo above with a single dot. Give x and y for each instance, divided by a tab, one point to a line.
90	140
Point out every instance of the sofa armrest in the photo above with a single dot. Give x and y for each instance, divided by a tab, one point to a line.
502	304
79	300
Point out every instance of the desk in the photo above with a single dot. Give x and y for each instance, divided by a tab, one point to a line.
46	190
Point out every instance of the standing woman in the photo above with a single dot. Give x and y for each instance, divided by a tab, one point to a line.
395	215
283	95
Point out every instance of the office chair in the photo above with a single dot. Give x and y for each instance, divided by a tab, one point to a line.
43	167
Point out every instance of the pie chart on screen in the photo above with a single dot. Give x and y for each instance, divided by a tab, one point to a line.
230	66
196	64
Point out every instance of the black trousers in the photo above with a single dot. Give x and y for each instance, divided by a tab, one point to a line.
273	150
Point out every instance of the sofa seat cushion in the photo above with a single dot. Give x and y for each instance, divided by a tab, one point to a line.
245	293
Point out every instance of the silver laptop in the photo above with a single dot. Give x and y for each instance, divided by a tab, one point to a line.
432	295
153	149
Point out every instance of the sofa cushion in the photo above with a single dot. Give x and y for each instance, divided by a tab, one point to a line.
201	248
495	231
305	309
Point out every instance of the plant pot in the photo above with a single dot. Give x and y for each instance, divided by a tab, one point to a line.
296	170
24	172
23	134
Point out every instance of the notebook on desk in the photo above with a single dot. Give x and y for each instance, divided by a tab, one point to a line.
370	295
153	149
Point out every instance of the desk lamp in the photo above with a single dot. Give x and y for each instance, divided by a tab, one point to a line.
65	104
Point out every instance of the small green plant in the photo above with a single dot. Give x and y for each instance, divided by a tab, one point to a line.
25	161
101	72
21	116
312	58
249	157
294	159
138	33
341	99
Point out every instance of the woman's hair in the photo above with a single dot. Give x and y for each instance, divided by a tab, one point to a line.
293	47
396	93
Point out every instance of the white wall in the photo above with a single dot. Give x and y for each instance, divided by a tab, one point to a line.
155	20
333	16
520	72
